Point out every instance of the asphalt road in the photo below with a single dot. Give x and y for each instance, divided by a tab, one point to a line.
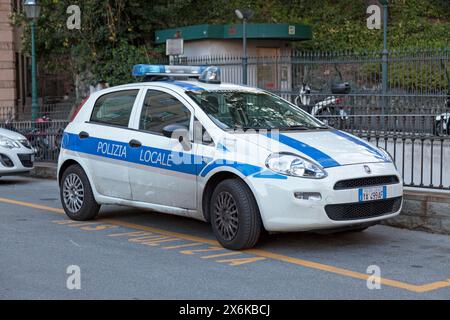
134	254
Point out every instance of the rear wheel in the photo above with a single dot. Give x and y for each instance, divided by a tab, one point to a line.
76	195
235	217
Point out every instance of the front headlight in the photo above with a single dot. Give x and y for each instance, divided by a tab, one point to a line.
8	143
292	165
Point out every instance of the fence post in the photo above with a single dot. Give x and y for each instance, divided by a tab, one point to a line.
384	59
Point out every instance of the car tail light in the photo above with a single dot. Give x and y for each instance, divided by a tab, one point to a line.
78	109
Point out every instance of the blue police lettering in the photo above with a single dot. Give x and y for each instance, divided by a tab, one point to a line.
156	157
112	149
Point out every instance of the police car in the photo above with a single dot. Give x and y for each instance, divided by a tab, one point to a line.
240	158
16	153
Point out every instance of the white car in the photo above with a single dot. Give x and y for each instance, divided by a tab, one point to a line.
240	158
16	153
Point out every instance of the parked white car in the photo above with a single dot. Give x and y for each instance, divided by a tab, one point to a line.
240	158
16	153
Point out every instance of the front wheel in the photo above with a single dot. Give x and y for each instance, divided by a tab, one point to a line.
235	217
76	195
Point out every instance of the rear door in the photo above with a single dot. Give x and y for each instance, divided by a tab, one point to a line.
165	172
104	140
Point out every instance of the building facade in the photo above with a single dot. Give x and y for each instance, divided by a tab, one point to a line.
14	66
269	50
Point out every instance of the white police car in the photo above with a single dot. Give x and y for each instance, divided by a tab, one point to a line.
240	158
16	153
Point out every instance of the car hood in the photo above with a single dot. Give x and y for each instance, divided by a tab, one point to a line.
11	134
329	148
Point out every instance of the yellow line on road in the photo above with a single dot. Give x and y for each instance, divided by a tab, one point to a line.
258	252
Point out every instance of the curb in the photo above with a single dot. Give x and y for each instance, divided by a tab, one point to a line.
44	170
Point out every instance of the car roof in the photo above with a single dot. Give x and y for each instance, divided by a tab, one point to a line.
192	85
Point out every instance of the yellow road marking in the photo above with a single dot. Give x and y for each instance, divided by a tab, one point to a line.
128	234
238	262
210	249
187	245
221	255
98	227
157	242
146	238
258	252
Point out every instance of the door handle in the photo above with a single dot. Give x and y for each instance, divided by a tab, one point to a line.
83	135
135	143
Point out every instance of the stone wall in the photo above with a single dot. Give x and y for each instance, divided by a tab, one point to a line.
425	211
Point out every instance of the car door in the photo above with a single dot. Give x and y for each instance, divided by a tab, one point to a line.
105	140
165	172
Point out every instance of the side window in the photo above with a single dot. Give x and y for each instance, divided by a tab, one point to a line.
114	108
161	109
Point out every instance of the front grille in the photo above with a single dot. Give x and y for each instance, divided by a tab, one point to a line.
26	160
365	182
363	210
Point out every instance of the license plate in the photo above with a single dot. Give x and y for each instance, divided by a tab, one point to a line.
32	158
371	194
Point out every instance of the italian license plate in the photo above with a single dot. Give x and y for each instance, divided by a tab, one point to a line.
372	194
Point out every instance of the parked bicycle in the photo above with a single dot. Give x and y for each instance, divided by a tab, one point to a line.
45	140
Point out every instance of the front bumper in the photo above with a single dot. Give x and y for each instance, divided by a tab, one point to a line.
16	161
282	211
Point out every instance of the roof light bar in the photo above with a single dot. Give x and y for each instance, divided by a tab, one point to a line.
141	70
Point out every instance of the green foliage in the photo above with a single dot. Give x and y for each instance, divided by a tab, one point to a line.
118	33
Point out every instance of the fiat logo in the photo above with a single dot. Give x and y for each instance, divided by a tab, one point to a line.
367	169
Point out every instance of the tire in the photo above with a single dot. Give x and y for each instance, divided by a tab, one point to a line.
438	129
75	185
233	201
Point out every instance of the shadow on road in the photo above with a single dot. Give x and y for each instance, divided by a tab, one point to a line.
301	241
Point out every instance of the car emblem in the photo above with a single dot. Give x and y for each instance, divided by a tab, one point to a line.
367	169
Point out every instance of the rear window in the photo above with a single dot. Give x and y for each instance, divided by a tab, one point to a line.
114	108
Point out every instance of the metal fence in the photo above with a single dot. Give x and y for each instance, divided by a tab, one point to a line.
418	80
44	137
53	110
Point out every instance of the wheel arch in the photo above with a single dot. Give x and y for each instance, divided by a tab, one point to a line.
69	162
210	185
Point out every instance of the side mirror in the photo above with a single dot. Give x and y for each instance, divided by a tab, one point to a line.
178	132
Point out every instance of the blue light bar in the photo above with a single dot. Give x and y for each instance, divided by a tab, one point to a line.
141	70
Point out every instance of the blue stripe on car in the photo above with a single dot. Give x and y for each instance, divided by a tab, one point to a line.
181	162
377	153
244	168
322	158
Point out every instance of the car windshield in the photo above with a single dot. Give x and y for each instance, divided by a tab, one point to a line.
243	110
